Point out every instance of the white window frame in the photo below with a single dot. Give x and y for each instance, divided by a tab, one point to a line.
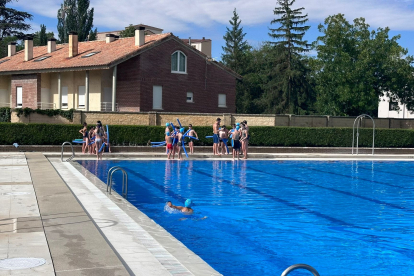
65	89
81	97
225	100
190	95
19	105
178	63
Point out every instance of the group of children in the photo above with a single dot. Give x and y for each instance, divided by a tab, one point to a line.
239	135
93	139
174	140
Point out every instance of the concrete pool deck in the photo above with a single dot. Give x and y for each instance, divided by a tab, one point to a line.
62	213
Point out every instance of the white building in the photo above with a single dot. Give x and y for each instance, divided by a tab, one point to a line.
390	109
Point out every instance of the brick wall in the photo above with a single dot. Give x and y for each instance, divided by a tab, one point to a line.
31	86
137	76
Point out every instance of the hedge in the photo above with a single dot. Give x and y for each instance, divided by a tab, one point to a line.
5	114
52	134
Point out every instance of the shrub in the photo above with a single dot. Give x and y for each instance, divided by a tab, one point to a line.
5	114
52	134
68	114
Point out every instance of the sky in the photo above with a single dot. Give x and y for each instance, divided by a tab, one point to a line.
209	18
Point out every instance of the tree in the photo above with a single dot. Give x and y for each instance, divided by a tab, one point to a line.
40	38
75	15
236	47
12	26
93	35
128	32
288	89
355	66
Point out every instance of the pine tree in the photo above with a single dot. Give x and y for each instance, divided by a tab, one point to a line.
40	38
128	32
93	35
288	72
75	15
234	55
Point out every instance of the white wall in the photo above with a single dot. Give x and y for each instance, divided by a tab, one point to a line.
384	112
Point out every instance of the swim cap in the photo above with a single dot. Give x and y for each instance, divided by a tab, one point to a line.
188	203
237	124
182	129
168	133
167	124
237	127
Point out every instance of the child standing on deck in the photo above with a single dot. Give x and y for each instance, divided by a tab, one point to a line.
168	141
191	133
236	143
167	130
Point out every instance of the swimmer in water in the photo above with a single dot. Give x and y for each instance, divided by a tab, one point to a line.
186	209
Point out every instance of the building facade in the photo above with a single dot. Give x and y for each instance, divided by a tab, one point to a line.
387	108
156	72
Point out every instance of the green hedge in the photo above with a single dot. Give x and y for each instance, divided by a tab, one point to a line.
49	134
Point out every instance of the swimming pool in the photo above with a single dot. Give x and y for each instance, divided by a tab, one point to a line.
343	218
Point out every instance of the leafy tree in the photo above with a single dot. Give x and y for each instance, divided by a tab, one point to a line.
355	66
236	47
93	35
75	15
40	38
128	32
287	89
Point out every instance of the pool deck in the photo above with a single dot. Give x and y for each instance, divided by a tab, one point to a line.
60	212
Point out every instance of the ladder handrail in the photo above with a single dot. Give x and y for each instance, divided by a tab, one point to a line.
111	171
299	266
73	152
360	117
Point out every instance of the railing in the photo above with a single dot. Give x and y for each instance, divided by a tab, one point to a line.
107	106
73	153
4	104
44	105
124	181
359	119
300	266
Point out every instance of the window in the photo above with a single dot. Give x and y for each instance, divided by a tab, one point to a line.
42	58
65	97
190	97
19	96
222	100
82	92
90	54
157	97
394	106
179	63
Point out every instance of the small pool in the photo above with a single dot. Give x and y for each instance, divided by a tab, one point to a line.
343	218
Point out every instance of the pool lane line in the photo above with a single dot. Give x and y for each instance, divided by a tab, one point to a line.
336	190
285	202
353	177
162	188
381	171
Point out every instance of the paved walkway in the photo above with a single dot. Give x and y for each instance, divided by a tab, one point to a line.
60	212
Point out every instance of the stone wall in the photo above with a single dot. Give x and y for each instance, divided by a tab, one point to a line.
207	119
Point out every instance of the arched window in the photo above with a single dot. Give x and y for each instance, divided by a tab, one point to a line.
178	63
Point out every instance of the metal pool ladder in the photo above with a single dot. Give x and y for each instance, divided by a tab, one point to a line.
300	266
73	153
124	180
358	119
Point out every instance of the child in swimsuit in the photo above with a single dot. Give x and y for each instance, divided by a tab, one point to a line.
236	143
85	136
191	133
168	141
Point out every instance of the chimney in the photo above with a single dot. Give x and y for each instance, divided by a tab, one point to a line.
51	45
73	44
189	41
11	47
140	36
28	48
110	38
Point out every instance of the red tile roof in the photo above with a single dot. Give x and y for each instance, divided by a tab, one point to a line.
109	54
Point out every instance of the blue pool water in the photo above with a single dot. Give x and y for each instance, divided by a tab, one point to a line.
343	218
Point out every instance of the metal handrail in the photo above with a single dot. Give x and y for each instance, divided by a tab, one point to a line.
300	266
46	105
73	152
4	104
111	171
360	117
107	106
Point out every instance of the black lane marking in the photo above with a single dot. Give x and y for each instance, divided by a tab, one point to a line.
356	177
285	202
399	174
336	190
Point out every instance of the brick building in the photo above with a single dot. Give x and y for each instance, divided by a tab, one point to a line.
157	72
